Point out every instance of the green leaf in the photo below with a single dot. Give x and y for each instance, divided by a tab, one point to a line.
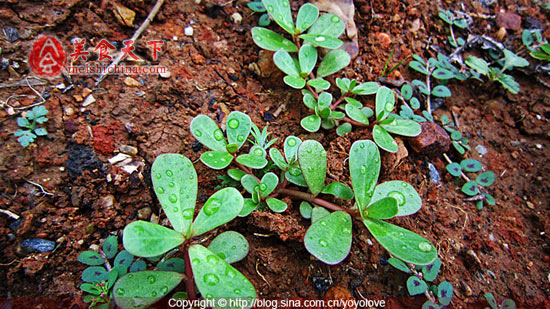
90	288
417	66
206	131
276	205
486	179
454	169
311	123
252	160
339	190
403	127
138	265
540	55
415	103
431	271
442	74
148	239
508	304
446	16
333	62
509	83
238	128
356	114
94	274
236	174
366	88
416	286
364	166
324	101
408	200
319	84
256	6
406	91
327	123
489	199
430	305
344	128
217	279
250	184
222	207
343	84
230	246
312	158
478	64
384	139
291	148
322	40
173	264
23	122
441	91
175	182
400	265
280	13
385	208
278	158
270	40
268	183
294	81
216	160
471	165
264	20
144	288
444	293
123	260
512	60
286	63
307	57
309	101
470	188
40	132
318	212
329	238
91	258
305	210
295	176
491	300
421	87
329	25
41	120
248	208
39	111
307	15
385	102
402	243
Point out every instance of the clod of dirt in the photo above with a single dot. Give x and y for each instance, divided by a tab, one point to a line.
81	158
511	21
392	160
339	293
433	141
285	226
37	245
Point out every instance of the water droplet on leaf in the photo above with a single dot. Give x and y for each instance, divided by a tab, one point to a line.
211	279
425	246
398	196
211	207
233	123
323	243
151	279
291	142
218	135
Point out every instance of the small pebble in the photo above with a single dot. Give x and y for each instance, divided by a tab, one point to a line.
481	150
369	242
127	149
175	38
130	82
236	18
144	213
434	174
5	63
37	245
491	237
188	31
539	146
89	100
165	74
11	34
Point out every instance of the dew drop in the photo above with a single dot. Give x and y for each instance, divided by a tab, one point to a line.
363	170
323	153
404	247
154	294
223	159
401	234
404	184
198	133
285	4
240	138
320	38
237	291
398	196
218	135
195	262
164	290
323	243
256	188
188	213
295	172
169	173
270	8
425	246
389	107
346	230
171	184
151	279
335	19
212	259
211	207
208	296
233	247
173	198
175	209
291	142
221	255
130	276
119	292
210	155
263	187
323	223
160	190
211	279
362	145
230	272
233	123
258	152
159	176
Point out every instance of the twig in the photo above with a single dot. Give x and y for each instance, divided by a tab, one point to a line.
461	172
318	201
19	83
134	38
37	93
465	214
39	186
261	276
9	213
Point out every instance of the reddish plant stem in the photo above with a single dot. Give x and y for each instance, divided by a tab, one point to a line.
337	102
355	123
190	280
318	201
315	95
246	170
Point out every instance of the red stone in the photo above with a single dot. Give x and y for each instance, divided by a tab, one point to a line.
433	141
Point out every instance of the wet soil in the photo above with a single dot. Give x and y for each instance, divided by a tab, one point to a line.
502	249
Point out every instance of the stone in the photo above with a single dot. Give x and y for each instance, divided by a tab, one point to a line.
509	20
433	141
130	82
124	15
37	245
188	31
340	293
144	213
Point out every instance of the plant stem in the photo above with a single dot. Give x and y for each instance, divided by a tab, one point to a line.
355	123
190	280
428	85
246	170
318	201
461	172
315	95
453	35
337	102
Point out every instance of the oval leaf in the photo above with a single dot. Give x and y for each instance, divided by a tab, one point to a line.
271	40
333	62
175	183
236	174
329	25
416	286
406	91
138	265
385	102
94	274
431	271
307	15
311	123
397	263
356	114
148	239
222	207
206	131
471	165
404	127
216	160
366	88
384	139
322	40
312	158
305	210
470	188
385	208
339	190
292	143
402	243
91	258
486	179
123	260
408	200
444	293
278	158
110	246
329	239
144	288
268	183
276	205
217	279
454	169
284	61
280	13
364	166
419	67
294	81
230	246
344	128
250	183
238	127
441	91
307	57
252	161
173	264
319	84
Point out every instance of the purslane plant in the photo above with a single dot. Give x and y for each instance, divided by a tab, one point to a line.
297	58
175	183
304	164
30	123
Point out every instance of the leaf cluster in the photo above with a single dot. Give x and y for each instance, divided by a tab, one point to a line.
29	122
505	304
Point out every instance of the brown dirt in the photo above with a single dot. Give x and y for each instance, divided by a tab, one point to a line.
211	74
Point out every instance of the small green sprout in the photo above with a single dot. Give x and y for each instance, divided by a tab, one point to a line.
417	283
459	142
30	122
258	7
476	189
456	19
532	39
542	53
506	304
